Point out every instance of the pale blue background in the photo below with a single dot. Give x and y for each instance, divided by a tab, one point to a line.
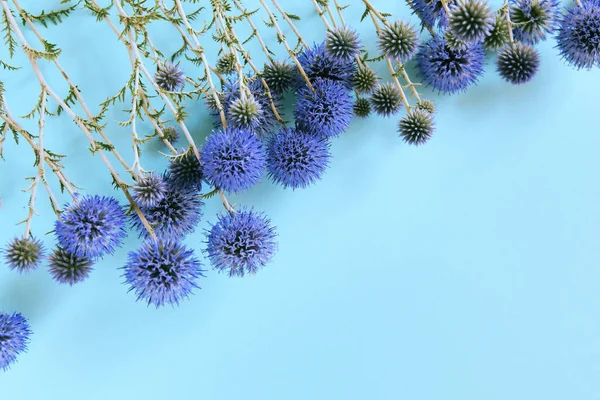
464	269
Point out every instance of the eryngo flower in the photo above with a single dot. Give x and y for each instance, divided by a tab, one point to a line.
241	243
578	37
318	64
24	254
449	70
226	63
471	21
342	43
162	272
14	337
149	189
234	159
68	268
169	77
417	127
534	19
91	226
517	63
325	111
185	172
171	134
399	41
296	159
499	35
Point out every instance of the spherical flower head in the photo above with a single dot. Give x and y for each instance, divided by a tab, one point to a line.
426	105
362	107
162	272
533	19
185	172
234	159
244	113
175	216
325	112
280	76
386	100
169	77
226	63
342	43
318	64
471	21
241	243
430	12
24	254
68	268
149	189
365	80
296	159
499	35
398	41
171	134
14	337
517	63
91	226
578	37
416	128
449	70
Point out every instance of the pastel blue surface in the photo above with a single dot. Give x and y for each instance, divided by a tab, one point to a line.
464	269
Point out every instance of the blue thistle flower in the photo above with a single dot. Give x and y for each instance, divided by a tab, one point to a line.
241	243
471	21
233	159
149	189
342	43
169	77
245	113
449	70
362	107
280	76
517	63
431	12
296	159
324	112
91	226
14	337
318	64
175	216
24	254
398	41
578	37
68	268
162	272
533	19
185	172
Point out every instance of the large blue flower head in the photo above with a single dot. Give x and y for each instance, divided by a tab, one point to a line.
162	272
296	159
325	112
14	337
241	243
431	12
317	63
534	19
174	216
68	268
234	159
91	226
24	254
578	37
449	70
185	172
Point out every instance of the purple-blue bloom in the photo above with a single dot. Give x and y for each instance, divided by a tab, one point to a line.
296	159
318	64
162	272
169	77
68	268
234	159
324	112
185	172
578	37
14	337
91	226
533	19
430	12
23	254
449	70
241	243
149	189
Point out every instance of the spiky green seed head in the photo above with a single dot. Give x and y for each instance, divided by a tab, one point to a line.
498	36
362	108
426	105
211	103
452	42
386	99
23	254
280	76
244	112
517	63
226	63
416	128
365	80
471	21
399	41
171	134
342	43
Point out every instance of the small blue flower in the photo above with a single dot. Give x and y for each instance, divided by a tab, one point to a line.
578	37
175	216
241	243
234	159
169	77
325	112
24	254
533	19
162	272
185	172
449	70
318	64
68	268
14	337
149	189
91	226
296	159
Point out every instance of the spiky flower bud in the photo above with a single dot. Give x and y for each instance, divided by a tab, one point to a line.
171	134
244	112
471	21
453	43
517	63
365	80
362	108
416	128
498	36
533	19
149	189
66	267
398	40
386	99
186	172
280	76
226	63
426	105
169	77
24	254
342	43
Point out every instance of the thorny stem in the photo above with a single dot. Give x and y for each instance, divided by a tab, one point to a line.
290	23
